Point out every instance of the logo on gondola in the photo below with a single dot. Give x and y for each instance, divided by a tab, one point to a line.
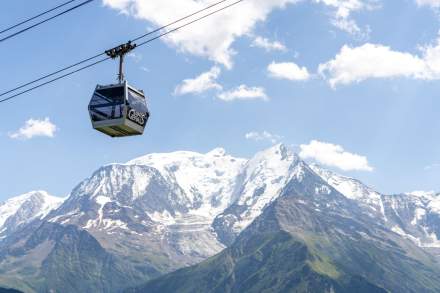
137	117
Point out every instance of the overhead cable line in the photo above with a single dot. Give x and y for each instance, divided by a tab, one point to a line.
36	16
45	20
103	53
51	74
53	80
107	58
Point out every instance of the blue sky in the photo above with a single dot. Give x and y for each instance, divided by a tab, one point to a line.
354	85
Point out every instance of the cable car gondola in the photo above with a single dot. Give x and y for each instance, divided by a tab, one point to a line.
119	110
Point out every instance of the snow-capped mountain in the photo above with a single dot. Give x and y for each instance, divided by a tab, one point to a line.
25	208
311	238
207	180
187	204
207	195
415	215
160	212
198	203
166	200
260	181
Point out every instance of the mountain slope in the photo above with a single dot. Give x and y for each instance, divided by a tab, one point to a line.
48	256
311	238
261	268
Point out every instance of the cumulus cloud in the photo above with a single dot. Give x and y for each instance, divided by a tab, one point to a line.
208	81
243	92
213	37
202	83
431	3
334	156
268	45
356	64
288	70
34	128
263	136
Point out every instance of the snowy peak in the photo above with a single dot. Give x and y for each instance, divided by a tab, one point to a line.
208	180
124	183
274	158
180	188
266	173
24	208
162	188
261	182
106	198
217	152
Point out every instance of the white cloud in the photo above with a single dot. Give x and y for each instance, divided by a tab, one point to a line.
244	92
343	11
288	70
263	136
202	83
34	128
334	156
377	61
268	45
431	3
213	37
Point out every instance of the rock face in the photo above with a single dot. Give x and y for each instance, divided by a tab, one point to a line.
128	223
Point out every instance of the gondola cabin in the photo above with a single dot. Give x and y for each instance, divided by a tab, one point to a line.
118	110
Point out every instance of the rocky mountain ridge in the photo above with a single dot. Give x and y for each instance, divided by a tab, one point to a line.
23	209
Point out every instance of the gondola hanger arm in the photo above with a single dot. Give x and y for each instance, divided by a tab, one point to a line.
120	51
